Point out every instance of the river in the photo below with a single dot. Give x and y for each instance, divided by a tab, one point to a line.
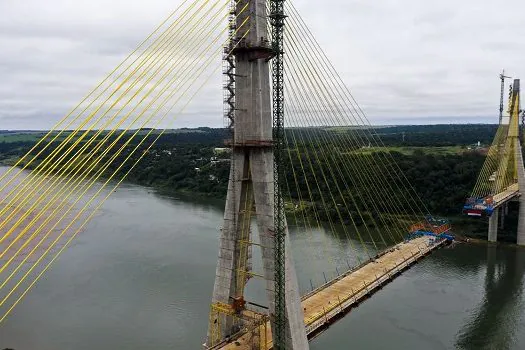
141	275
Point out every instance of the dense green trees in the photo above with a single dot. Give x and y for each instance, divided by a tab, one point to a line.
442	180
184	160
437	135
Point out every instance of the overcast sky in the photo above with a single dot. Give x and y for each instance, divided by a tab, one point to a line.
406	61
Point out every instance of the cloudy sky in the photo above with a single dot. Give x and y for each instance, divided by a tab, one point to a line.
406	61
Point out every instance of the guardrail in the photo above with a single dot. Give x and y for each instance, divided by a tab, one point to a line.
323	319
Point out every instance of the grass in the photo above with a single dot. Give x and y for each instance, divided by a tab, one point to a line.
34	136
21	137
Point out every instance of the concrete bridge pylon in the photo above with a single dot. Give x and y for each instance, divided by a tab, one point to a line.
521	198
520	169
513	161
252	189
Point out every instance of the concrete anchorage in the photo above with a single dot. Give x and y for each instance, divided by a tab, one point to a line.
252	182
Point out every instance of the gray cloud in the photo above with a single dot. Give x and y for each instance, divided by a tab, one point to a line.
405	61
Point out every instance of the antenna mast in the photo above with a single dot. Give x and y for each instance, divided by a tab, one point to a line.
502	77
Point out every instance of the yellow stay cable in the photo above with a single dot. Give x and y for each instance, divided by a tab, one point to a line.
502	166
26	164
53	129
305	54
489	168
107	196
48	171
317	164
305	178
124	133
313	175
397	173
483	186
115	141
294	82
70	192
317	147
43	224
490	164
302	202
301	87
502	174
312	169
319	83
87	145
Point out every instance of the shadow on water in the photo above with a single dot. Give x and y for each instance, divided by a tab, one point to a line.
494	323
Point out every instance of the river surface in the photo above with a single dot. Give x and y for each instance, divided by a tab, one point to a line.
140	276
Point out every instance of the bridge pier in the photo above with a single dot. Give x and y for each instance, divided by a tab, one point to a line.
493	226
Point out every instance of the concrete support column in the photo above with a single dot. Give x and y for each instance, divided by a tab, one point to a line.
493	226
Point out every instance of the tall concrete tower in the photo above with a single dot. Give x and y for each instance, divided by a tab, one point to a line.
511	163
515	110
251	188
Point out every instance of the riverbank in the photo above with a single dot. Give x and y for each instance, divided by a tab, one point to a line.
473	228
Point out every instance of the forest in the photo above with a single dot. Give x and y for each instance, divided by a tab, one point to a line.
440	162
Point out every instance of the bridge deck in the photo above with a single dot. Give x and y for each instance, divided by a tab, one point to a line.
331	301
504	196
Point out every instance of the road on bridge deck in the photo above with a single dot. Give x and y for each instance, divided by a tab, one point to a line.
325	304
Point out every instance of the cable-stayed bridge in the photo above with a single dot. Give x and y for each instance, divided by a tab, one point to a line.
502	176
299	158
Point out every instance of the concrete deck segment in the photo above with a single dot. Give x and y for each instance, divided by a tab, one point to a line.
506	195
329	302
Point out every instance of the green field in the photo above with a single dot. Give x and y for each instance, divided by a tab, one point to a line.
34	136
407	150
21	137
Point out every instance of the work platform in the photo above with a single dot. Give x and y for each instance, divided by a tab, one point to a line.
486	206
331	301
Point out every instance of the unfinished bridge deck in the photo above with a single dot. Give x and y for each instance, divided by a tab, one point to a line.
324	305
506	195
